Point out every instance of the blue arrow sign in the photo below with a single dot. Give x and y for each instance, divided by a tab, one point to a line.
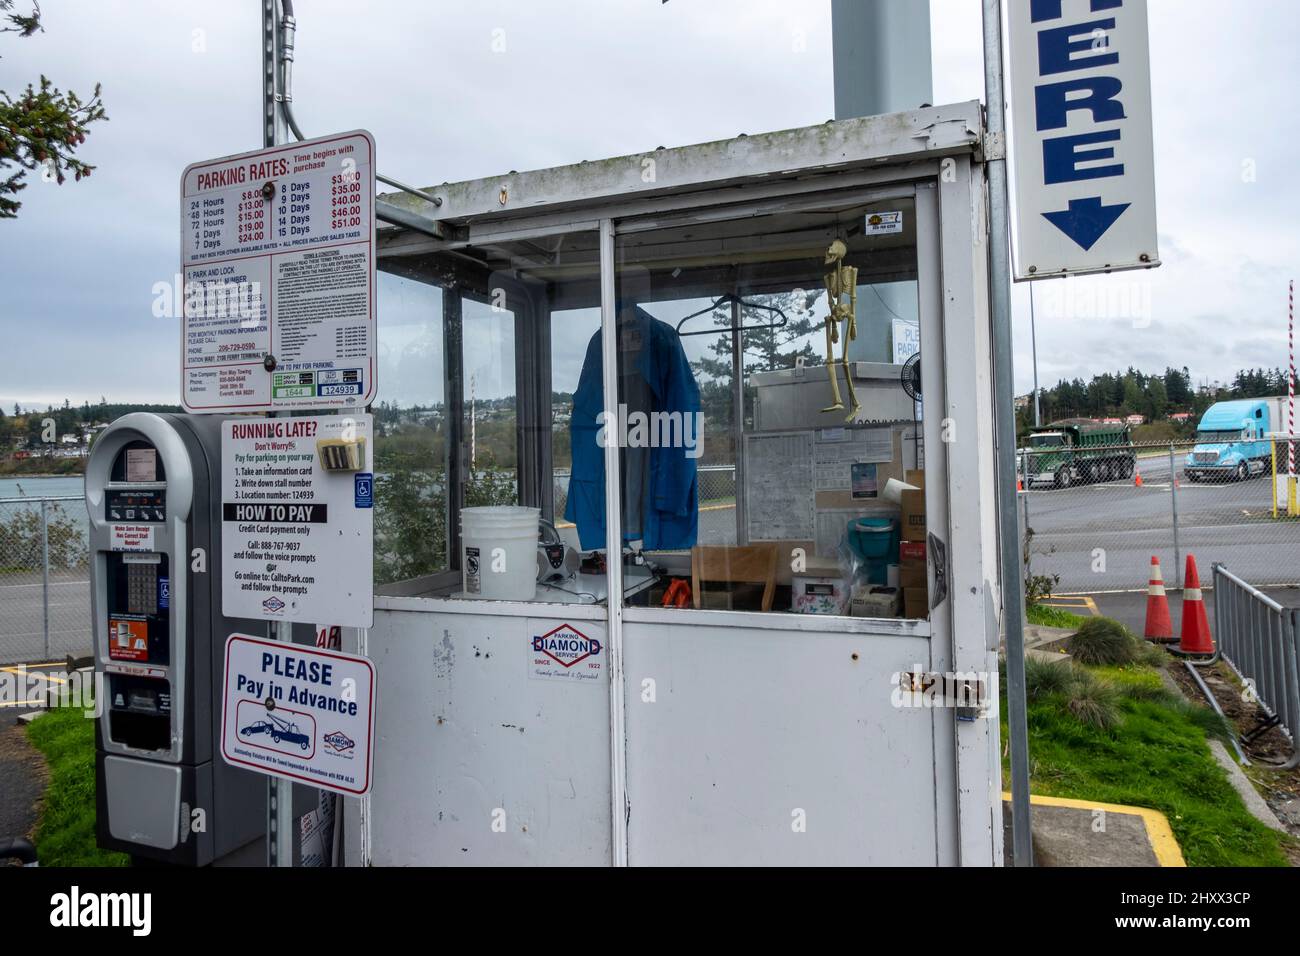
1080	111
1086	220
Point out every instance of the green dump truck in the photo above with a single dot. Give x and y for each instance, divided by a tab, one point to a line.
1076	451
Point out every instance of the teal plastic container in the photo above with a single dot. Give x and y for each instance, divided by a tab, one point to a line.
875	541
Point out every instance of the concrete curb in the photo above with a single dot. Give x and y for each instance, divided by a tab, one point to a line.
1258	808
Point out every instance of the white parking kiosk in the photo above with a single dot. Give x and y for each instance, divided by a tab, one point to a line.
767	633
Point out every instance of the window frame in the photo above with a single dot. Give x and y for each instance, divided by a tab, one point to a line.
928	282
919	181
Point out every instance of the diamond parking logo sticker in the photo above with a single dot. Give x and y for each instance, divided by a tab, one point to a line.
273	604
339	742
565	653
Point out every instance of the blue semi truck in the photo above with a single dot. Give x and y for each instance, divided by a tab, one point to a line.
1231	440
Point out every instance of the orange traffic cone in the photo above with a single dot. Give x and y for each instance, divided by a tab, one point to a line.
1195	626
1020	484
1137	480
1160	627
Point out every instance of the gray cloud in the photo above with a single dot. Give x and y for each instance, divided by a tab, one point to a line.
584	79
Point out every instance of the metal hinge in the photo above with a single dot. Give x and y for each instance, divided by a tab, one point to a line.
994	147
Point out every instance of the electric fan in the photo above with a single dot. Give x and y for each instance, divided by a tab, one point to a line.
911	376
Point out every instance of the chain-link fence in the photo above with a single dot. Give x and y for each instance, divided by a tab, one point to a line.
44	579
1097	514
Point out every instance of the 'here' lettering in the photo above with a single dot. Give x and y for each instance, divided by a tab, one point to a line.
1066	49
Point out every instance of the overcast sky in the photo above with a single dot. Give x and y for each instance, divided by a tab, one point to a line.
585	79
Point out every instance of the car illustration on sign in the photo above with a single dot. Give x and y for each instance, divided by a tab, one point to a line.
279	729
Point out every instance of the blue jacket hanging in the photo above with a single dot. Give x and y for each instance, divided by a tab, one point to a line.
670	515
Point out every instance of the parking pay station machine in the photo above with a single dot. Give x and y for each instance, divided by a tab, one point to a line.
162	790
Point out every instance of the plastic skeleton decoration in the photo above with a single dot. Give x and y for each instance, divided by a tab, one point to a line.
842	289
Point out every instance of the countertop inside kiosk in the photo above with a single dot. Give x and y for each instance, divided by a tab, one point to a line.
584	588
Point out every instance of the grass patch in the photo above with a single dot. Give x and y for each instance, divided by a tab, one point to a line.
1044	616
66	833
1116	735
1104	641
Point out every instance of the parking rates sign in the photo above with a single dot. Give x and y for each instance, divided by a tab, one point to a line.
1081	137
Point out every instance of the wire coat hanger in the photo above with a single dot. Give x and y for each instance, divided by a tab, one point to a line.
728	299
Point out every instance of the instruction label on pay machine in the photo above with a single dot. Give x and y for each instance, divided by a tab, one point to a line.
298	712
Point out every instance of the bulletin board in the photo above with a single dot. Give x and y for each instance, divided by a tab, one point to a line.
799	485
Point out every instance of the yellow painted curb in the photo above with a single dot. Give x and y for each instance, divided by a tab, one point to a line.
1073	602
1163	844
30	666
42	676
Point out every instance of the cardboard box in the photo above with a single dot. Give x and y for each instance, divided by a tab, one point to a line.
912	575
875	600
809	595
912	515
915	477
911	564
916	603
819	589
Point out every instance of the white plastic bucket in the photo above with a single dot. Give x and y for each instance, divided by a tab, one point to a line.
499	551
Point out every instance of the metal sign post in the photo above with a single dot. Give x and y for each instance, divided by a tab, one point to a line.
1013	597
279	792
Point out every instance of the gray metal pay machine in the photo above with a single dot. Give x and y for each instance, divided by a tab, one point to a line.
162	791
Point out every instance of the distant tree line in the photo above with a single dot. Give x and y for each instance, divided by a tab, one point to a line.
68	419
1155	397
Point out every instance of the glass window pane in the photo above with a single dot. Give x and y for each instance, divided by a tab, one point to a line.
572	331
778	499
490	422
410	429
521	319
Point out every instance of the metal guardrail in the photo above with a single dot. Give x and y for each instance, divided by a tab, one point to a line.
44	578
1257	638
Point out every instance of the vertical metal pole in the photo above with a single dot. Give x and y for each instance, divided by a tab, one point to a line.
1273	476
613	543
1024	504
279	792
1292	620
273	127
1290	385
45	574
1173	498
738	421
1290	402
1024	501
1033	339
1012	581
881	53
453	401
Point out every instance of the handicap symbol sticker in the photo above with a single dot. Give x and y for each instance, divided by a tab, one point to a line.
363	489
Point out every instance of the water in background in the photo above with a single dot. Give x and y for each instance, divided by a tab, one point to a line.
22	487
